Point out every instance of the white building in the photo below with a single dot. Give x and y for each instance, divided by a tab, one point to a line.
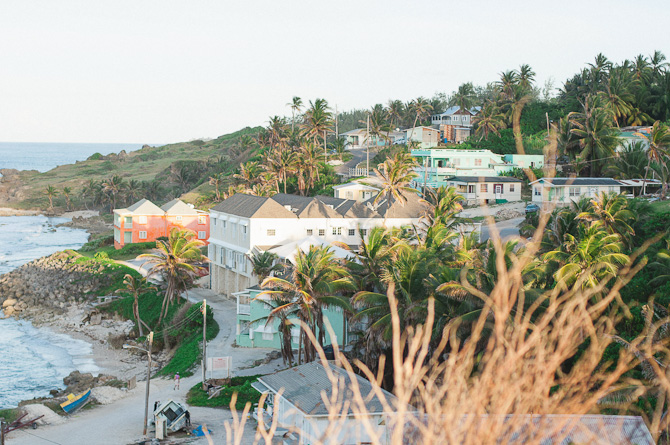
300	405
244	225
566	190
455	116
525	161
356	191
489	189
426	137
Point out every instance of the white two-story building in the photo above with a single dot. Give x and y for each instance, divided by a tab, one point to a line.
244	225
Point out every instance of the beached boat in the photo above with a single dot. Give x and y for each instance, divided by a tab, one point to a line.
73	402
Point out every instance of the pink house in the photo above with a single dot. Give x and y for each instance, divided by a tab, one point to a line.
145	221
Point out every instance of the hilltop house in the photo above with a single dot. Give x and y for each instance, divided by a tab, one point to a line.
563	191
359	138
297	394
455	124
244	225
489	189
253	331
144	221
426	137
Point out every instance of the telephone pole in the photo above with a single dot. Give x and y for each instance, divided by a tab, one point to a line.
367	140
146	395
204	344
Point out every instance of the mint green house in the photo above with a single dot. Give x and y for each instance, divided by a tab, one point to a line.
254	332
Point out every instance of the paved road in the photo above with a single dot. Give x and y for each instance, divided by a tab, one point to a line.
508	229
359	155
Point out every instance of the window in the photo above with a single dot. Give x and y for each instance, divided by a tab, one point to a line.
214	222
202	219
143	219
178	217
337	230
143	235
244	232
478	162
272	232
222	255
471	188
295	335
202	234
364	232
511	187
350	195
574	191
484	188
457	161
352	232
310	232
268	336
536	191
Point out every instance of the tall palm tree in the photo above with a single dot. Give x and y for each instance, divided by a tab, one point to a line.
317	121
595	135
216	180
396	173
488	120
283	310
51	193
464	96
394	110
113	186
176	260
312	286
249	173
508	80
526	77
136	287
67	192
296	107
421	109
659	148
618	94
264	264
610	211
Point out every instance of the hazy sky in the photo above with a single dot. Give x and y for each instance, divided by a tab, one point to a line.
167	71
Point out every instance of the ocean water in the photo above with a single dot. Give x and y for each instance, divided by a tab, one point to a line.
34	361
43	156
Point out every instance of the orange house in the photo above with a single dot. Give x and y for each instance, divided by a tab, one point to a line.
145	221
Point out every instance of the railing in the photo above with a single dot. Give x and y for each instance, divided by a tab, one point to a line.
356	172
244	309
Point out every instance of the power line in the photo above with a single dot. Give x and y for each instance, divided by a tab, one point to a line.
39	437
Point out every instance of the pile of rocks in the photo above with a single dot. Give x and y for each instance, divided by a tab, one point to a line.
506	214
51	282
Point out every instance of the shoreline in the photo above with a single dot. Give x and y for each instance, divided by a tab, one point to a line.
8	211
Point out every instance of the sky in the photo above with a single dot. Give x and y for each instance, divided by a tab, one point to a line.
146	71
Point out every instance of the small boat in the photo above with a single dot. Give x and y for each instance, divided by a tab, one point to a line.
73	402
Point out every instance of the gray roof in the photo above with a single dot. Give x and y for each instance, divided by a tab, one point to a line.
303	386
248	206
178	207
145	207
412	207
579	181
478	179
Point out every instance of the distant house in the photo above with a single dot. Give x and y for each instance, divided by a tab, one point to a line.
300	404
455	124
567	190
491	189
525	161
144	221
631	135
253	331
437	165
426	137
355	191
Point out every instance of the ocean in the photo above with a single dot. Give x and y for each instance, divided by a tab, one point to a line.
34	360
43	156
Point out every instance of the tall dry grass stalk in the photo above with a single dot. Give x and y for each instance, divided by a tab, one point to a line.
522	358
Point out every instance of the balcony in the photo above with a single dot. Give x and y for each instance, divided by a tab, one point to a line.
243	309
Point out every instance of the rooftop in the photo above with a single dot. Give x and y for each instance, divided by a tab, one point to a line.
469	179
179	207
578	181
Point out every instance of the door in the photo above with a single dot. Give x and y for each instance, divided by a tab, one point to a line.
127	237
498	189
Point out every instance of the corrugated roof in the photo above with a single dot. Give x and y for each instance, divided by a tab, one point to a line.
470	179
248	206
178	207
303	386
317	209
577	181
145	207
412	207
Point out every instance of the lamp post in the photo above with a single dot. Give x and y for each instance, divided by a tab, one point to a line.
146	397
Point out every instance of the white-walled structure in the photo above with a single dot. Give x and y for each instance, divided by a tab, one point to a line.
566	190
300	405
356	191
244	225
491	189
427	137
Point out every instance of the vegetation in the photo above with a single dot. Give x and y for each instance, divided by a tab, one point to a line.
238	385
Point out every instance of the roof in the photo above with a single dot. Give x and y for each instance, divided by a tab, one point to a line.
355	184
469	179
303	386
638	182
178	207
455	110
248	206
560	182
317	209
409	130
354	132
145	207
413	207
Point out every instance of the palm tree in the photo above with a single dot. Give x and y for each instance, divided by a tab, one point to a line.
308	160
396	173
610	211
444	204
340	146
283	310
51	193
264	264
67	191
317	121
526	77
249	173
488	120
312	286
137	287
508	80
113	187
595	135
282	161
394	111
176	260
421	109
658	151
296	106
216	180
463	97
618	94
630	163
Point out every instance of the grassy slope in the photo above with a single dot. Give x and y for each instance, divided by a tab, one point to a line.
142	165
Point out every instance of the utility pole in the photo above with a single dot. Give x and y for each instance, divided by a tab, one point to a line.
337	133
204	343
2	431
146	396
325	148
367	140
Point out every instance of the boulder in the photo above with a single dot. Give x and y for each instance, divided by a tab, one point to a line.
9	302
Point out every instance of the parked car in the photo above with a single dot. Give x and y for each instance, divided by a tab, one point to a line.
532	208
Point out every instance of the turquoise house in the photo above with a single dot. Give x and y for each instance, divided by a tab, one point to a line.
253	331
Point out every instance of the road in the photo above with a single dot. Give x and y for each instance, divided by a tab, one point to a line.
359	155
508	229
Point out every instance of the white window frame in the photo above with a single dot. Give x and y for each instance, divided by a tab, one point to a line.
364	232
484	188
537	191
478	162
511	187
352	232
337	230
202	219
322	232
271	232
142	219
143	234
310	232
202	234
574	191
178	217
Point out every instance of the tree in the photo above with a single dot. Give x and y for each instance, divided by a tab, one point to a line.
113	187
421	109
137	287
463	97
488	120
317	121
67	192
264	264
51	193
296	106
526	77
610	211
176	260
249	173
396	174
658	151
216	180
316	278
394	111
282	309
595	135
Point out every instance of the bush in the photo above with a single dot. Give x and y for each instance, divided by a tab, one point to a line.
238	385
95	157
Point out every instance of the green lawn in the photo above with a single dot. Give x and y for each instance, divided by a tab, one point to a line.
239	385
660	206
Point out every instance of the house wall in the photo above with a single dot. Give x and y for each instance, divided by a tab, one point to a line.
567	194
356	192
192	223
154	228
525	161
510	191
